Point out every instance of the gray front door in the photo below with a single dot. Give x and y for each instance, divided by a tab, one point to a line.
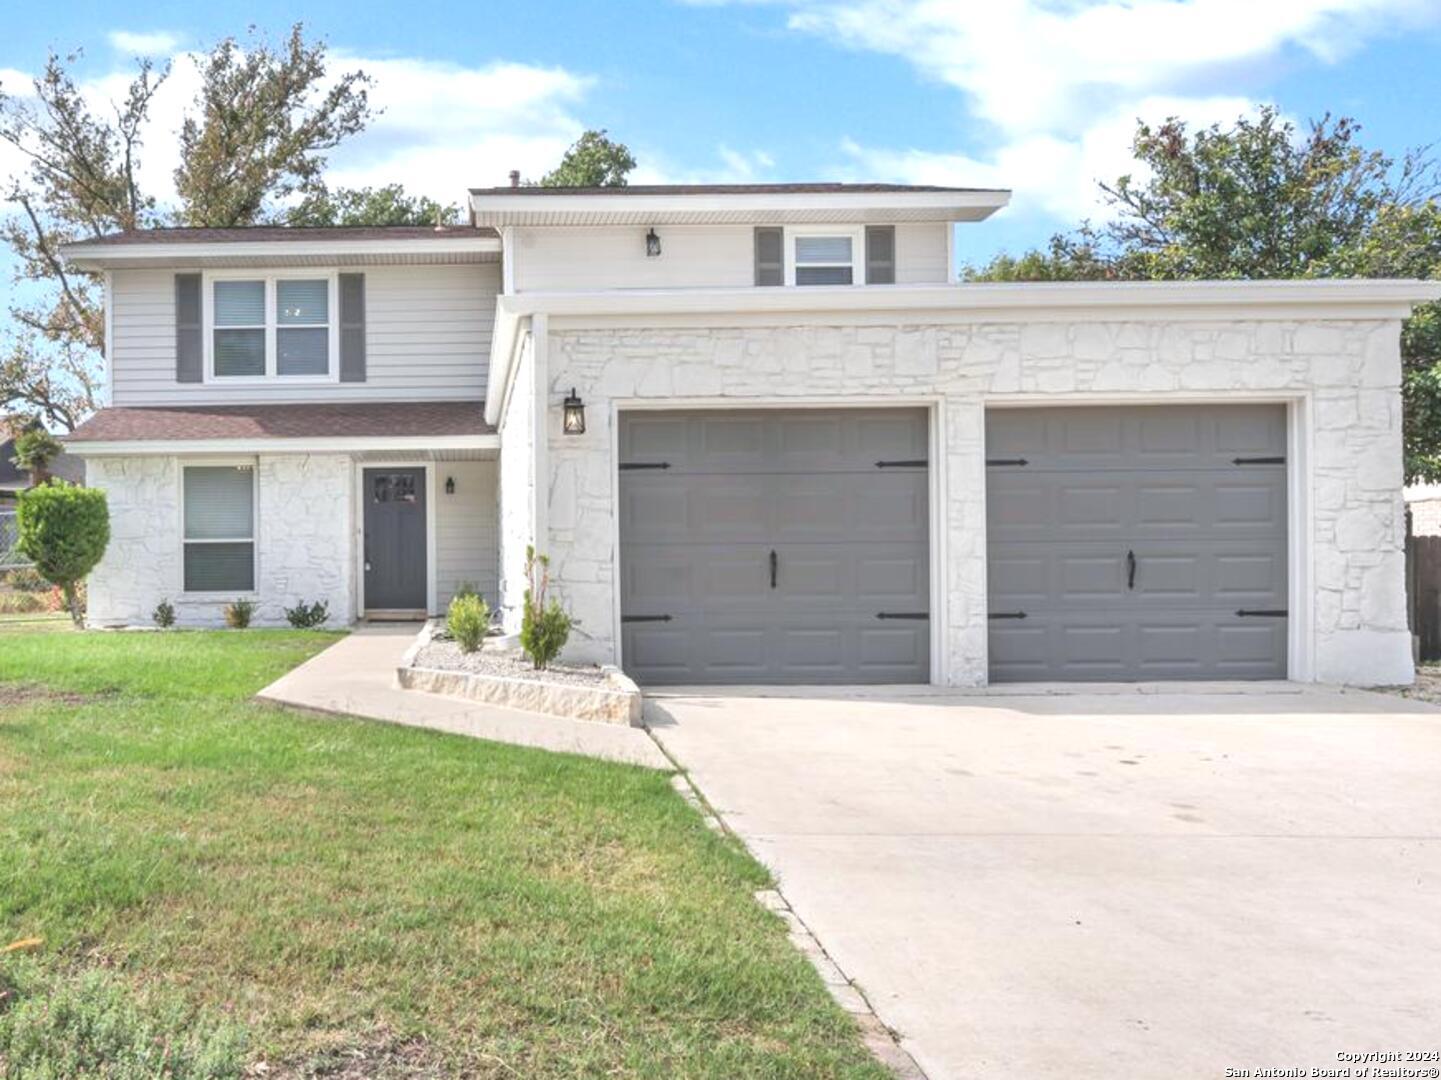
1143	542
775	546
395	543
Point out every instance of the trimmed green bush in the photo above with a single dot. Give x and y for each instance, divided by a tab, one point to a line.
468	619
164	614
238	614
305	616
64	530
544	625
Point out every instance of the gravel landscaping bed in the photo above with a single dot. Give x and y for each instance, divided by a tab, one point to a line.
505	663
1428	684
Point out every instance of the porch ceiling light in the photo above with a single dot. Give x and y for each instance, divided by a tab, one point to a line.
652	244
574	415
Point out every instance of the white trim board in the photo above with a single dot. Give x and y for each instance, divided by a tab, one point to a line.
337	444
99	256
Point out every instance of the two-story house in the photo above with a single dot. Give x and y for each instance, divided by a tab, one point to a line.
763	436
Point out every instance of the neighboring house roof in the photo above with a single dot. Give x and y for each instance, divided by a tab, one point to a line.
722	204
13	478
278	245
412	420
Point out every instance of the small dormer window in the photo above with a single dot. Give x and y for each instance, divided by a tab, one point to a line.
823	258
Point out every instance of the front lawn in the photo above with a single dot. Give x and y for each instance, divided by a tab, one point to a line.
221	885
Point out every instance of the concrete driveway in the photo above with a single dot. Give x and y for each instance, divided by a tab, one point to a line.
1100	884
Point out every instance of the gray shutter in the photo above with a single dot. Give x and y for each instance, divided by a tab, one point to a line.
189	334
880	254
770	256
352	327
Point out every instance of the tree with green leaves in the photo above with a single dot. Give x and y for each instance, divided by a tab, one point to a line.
1262	200
254	137
593	160
64	530
35	449
388	205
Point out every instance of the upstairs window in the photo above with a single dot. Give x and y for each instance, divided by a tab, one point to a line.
824	259
271	327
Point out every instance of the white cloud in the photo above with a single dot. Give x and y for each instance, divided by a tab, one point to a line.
440	128
734	167
153	43
1056	87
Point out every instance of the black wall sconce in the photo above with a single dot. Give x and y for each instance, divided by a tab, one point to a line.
574	423
652	244
450	485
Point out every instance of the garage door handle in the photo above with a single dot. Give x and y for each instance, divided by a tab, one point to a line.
1130	569
1267	613
775	566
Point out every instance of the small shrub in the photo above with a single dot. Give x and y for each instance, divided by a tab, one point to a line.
467	620
305	616
23	603
544	625
238	613
64	530
92	1024
466	588
164	614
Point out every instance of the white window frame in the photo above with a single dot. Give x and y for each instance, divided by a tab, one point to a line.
272	356
253	539
856	235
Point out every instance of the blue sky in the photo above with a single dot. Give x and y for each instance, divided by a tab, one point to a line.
1036	95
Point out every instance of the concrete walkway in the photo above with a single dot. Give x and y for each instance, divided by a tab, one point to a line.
356	677
1099	884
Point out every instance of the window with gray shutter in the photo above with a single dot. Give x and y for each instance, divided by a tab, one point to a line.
189	331
880	254
352	327
239	315
770	256
219	540
302	327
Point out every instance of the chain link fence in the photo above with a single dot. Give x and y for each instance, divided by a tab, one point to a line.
10	557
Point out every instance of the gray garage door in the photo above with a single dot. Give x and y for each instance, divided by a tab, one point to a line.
774	546
1137	543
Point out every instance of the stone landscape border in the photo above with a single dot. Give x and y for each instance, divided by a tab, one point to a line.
618	702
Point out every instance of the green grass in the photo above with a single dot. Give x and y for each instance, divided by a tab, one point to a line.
345	891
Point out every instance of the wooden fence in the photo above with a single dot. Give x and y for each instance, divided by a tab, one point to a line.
1423	591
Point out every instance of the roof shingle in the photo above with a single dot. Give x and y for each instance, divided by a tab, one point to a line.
367	420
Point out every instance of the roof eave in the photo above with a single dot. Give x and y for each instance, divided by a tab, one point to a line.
92	256
283	445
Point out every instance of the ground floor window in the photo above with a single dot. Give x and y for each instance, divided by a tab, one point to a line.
219	528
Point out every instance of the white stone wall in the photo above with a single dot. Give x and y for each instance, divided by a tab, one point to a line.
517	485
1347	372
303	534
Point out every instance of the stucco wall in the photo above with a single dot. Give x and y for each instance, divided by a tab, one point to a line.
1347	374
303	537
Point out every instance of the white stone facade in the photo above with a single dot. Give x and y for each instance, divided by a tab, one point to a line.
305	530
1340	377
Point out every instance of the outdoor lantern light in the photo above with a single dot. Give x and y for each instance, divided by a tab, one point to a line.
652	244
450	485
574	415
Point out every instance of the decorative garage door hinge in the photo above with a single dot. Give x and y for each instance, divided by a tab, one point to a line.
903	614
1006	461
645	618
1263	613
1258	461
908	464
626	466
1006	615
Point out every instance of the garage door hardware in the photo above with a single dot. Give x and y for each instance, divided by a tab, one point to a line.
1006	615
1258	461
1006	461
626	466
911	464
1130	569
1275	613
775	566
903	614
645	618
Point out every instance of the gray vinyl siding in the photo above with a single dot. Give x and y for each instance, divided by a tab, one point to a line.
466	530
428	331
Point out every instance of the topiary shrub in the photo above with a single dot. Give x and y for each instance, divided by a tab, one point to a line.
305	616
238	613
468	619
544	624
164	614
64	530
